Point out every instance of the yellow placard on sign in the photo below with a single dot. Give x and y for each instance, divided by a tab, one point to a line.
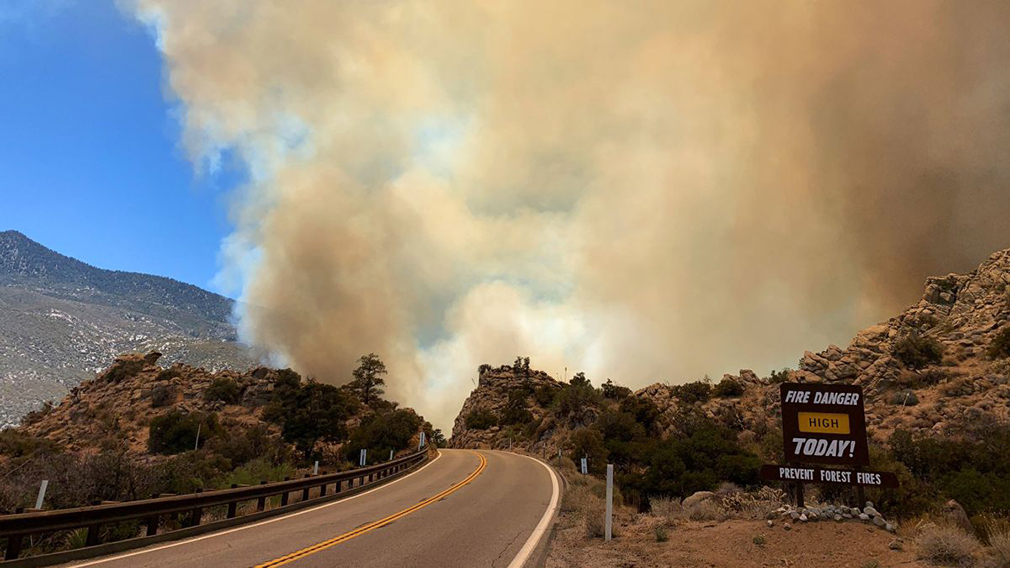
824	423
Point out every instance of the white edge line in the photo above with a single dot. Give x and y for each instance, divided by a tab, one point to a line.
538	532
252	525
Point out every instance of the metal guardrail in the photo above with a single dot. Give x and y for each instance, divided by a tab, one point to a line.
150	511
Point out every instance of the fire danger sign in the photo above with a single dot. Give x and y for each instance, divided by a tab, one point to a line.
824	424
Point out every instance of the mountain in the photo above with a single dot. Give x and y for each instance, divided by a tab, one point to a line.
61	321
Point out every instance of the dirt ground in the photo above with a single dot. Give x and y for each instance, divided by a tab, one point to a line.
730	544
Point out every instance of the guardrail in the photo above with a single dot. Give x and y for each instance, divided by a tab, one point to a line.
16	527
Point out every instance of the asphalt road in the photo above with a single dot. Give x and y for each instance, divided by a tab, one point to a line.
458	510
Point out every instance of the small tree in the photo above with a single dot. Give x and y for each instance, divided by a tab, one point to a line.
368	381
579	380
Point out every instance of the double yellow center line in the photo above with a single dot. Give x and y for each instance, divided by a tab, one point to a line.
373	525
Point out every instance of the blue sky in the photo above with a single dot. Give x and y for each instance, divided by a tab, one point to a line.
90	160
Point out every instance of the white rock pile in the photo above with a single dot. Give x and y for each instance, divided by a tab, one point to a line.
837	513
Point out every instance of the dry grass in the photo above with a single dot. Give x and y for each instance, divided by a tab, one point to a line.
584	501
947	545
998	532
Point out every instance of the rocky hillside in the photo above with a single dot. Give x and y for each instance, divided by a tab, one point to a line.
118	405
116	408
935	366
61	321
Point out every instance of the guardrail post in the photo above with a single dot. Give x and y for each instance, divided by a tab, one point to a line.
305	492
261	503
322	490
13	547
233	506
284	496
92	539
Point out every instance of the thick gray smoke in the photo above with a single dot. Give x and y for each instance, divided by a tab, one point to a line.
646	191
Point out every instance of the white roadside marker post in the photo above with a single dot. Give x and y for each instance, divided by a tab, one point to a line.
315	468
363	450
42	493
610	499
585	469
390	455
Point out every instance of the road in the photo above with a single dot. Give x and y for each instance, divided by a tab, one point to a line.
465	508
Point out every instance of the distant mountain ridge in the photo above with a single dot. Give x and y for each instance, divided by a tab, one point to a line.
62	320
24	260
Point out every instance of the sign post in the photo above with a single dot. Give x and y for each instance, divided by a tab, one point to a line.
610	501
585	469
42	494
362	459
824	424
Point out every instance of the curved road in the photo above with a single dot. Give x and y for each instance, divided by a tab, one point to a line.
464	508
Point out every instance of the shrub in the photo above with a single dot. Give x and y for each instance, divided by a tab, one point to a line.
588	443
946	545
728	388
1000	346
644	411
999	540
243	445
516	410
917	351
572	400
162	395
316	412
481	419
176	431
382	433
666	508
692	393
168	374
544	395
16	443
225	390
710	455
924	378
779	376
613	391
759	540
905	398
661	533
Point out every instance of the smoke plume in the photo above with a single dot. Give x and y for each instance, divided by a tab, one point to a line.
647	191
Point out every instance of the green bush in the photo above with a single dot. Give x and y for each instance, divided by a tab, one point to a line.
972	467
917	351
572	400
516	410
481	419
728	388
779	376
162	395
1000	346
380	433
224	390
176	431
544	395
623	436
644	411
316	412
678	467
693	393
588	443
614	391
